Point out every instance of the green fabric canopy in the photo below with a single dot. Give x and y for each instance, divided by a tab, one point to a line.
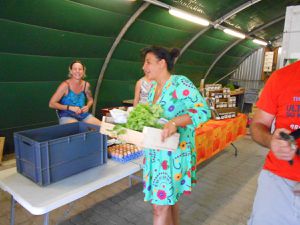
39	39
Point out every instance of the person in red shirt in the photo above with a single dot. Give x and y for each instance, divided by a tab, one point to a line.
275	203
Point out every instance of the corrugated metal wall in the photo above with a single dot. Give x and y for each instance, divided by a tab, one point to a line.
248	74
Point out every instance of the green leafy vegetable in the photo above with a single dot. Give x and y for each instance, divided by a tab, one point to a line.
142	115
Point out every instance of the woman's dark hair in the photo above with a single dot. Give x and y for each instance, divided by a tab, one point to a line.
162	53
71	65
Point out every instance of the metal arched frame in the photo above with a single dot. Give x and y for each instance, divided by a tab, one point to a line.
112	49
238	41
242	60
216	23
232	71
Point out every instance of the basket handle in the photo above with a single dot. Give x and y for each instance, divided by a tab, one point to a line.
26	143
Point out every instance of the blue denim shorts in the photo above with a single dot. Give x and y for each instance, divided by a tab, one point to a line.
66	119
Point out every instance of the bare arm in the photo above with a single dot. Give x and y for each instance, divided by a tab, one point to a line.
59	93
137	92
260	128
182	121
171	126
260	131
89	97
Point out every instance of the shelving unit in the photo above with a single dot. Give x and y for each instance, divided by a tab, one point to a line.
222	101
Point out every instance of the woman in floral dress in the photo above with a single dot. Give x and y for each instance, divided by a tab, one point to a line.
169	174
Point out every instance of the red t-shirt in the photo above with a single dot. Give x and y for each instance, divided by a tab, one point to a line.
281	98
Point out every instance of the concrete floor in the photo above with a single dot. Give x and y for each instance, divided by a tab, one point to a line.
223	196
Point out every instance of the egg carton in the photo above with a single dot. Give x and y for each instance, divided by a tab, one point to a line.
127	158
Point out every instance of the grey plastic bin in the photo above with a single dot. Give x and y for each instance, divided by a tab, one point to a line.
49	154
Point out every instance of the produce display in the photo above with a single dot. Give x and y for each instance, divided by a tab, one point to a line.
141	115
142	127
124	152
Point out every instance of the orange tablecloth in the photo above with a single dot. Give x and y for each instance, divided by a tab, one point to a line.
213	136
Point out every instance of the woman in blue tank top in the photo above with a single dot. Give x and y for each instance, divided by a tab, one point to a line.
73	97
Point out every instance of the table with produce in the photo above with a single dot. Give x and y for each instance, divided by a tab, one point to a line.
130	129
135	129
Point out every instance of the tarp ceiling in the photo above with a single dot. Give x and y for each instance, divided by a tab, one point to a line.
38	40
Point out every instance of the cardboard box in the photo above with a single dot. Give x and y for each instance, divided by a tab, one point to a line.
224	113
2	139
149	138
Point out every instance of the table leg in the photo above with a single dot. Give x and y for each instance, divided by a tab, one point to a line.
46	219
12	211
235	149
130	180
132	176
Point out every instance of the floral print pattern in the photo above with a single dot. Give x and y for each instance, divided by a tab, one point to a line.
169	174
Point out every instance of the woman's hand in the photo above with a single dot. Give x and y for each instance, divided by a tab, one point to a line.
169	129
75	109
85	109
281	148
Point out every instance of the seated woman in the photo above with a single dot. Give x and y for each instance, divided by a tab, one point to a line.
142	89
73	97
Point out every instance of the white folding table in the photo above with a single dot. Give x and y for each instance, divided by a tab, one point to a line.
42	200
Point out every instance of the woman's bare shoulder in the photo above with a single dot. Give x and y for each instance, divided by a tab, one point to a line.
139	82
63	85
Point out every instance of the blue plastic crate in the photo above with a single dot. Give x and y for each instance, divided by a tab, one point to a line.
49	154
